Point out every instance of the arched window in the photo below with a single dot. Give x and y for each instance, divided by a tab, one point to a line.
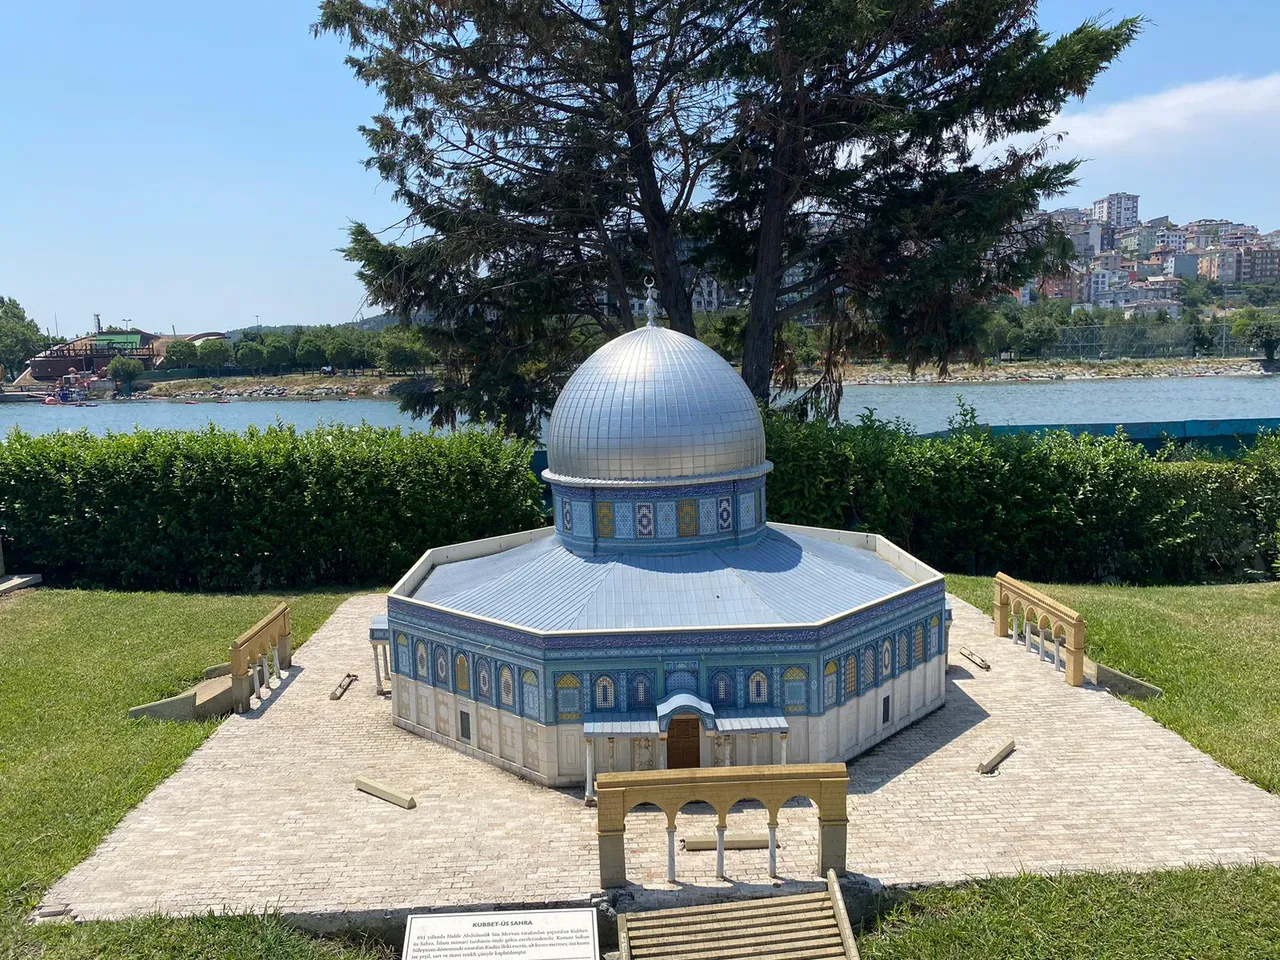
868	666
604	694
568	697
484	683
404	662
886	659
793	693
721	688
850	676
758	688
902	651
831	682
421	661
507	687
642	691
918	644
442	667
461	675
529	694
933	636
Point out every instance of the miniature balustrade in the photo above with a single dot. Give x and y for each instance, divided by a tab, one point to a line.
1030	617
826	784
263	649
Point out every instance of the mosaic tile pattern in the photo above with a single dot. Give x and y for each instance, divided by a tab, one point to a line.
706	517
644	519
724	514
604	520
581	518
666	514
747	510
687	517
624	522
566	516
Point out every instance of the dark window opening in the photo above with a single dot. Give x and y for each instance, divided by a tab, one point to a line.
884	711
464	723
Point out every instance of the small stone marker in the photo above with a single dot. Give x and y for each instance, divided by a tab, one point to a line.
974	658
503	935
384	792
342	686
996	758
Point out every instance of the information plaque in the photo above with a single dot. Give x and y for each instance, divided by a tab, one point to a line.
503	935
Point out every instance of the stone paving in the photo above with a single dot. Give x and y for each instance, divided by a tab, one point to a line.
265	815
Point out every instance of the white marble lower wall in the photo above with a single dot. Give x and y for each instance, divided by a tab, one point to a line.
556	755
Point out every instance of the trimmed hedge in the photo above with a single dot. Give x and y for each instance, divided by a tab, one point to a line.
219	510
1049	507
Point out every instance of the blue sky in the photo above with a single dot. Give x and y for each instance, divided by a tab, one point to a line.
192	165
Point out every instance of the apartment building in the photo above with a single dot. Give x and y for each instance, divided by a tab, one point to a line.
1119	210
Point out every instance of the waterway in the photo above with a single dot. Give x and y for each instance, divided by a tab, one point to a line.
925	406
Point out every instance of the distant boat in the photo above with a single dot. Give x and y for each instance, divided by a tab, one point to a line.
191	403
50	401
224	400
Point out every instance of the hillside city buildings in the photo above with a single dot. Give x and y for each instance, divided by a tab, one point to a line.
1127	263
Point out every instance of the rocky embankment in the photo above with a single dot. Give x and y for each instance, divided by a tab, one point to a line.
1051	370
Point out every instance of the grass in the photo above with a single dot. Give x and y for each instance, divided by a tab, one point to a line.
1210	648
1211	914
72	763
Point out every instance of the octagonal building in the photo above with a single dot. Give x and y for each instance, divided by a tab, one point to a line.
662	621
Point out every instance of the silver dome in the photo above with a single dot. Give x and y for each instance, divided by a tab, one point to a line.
654	404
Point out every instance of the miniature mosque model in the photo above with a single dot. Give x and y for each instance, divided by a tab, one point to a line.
662	622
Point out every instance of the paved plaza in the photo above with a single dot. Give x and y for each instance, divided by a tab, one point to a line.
265	814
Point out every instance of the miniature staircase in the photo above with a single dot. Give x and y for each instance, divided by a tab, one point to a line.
208	698
805	927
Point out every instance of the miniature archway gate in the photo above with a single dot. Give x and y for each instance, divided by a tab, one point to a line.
1014	599
826	784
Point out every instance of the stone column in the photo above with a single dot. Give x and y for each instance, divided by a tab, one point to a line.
832	840
377	668
783	738
671	854
662	751
589	793
720	851
754	737
773	847
1002	615
613	860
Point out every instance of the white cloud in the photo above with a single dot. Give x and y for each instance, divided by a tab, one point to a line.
1179	119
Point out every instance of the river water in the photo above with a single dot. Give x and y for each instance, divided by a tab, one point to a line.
924	406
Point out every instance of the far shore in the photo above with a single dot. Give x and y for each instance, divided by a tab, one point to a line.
371	386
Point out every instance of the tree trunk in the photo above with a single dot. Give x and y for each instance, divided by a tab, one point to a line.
757	348
657	219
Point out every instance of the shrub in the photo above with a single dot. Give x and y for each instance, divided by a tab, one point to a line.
1049	507
219	510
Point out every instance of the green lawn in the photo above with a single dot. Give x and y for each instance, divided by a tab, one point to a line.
72	763
1174	915
1212	650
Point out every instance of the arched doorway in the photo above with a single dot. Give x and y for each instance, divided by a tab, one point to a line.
684	744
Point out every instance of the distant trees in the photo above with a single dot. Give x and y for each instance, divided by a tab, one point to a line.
124	371
214	354
180	355
251	355
310	353
20	338
278	353
1259	329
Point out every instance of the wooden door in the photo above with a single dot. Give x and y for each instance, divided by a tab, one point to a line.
684	743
